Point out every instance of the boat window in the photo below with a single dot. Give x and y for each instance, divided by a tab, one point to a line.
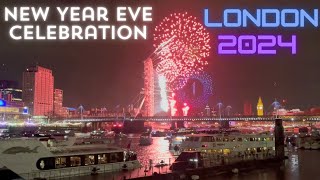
218	139
75	161
89	160
61	162
225	139
46	163
114	157
226	151
205	139
251	139
239	139
232	139
102	158
120	156
213	139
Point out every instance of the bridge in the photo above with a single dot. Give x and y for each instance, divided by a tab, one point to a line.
170	119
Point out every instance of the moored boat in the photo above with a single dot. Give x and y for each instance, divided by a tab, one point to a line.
209	150
145	139
30	159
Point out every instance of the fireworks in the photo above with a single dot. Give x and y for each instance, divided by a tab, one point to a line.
190	92
173	104
164	104
186	47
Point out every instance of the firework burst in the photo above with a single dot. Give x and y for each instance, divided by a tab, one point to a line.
191	94
187	46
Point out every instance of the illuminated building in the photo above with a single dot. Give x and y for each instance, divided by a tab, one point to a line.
247	109
37	91
148	88
58	109
260	107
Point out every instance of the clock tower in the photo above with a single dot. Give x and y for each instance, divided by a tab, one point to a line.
260	107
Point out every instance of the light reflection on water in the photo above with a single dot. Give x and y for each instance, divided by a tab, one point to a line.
158	151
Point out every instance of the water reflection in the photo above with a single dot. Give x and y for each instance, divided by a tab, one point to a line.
158	151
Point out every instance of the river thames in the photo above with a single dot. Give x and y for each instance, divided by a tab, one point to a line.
301	165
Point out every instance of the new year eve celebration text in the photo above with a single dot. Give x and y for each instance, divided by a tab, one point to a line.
87	23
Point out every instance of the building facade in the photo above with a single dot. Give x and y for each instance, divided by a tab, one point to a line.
37	88
58	109
247	109
149	88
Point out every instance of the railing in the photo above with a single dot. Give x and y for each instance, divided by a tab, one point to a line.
163	119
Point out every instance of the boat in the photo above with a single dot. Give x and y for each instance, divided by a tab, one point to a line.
207	150
31	159
175	143
158	134
120	136
161	164
4	133
178	138
308	142
145	139
315	145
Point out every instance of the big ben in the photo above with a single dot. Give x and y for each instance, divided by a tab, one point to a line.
260	107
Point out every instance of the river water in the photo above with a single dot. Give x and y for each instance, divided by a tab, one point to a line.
301	165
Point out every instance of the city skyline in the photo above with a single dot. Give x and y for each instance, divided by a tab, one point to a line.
100	73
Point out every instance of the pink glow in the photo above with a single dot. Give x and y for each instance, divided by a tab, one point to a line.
173	104
185	109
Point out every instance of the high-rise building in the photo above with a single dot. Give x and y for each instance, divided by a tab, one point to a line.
58	109
247	109
148	87
37	90
260	107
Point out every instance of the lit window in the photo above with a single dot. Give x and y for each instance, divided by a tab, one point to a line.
75	161
61	162
102	159
89	160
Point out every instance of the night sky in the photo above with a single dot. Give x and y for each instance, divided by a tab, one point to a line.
110	73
